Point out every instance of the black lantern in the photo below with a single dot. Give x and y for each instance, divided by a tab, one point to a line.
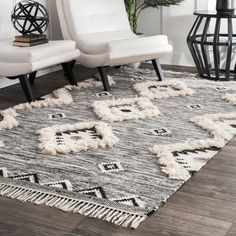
225	6
30	18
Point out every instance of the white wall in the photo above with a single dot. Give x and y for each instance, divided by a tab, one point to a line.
6	29
55	30
176	22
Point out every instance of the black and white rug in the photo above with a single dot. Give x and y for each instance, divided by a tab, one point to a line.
116	156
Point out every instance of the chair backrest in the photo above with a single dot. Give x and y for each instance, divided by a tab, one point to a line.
91	16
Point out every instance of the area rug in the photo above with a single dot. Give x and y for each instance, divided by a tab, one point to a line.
116	156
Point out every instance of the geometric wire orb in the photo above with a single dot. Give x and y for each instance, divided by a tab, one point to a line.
30	18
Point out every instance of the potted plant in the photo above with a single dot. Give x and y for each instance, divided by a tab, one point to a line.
135	7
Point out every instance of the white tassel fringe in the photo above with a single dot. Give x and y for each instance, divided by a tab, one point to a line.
9	119
95	210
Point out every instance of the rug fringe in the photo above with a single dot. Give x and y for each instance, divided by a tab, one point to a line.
94	210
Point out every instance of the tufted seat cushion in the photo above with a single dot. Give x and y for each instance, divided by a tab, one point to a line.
138	49
123	51
97	43
23	60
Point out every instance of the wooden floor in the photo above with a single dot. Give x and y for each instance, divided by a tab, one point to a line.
204	206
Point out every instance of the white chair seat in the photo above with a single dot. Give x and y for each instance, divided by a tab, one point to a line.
98	43
138	49
15	61
121	52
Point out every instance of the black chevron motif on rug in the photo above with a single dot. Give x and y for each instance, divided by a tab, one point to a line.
1	117
131	201
196	151
193	160
64	184
233	125
94	192
33	178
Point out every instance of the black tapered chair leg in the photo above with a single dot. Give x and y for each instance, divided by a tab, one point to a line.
69	73
104	78
32	77
157	67
72	64
25	84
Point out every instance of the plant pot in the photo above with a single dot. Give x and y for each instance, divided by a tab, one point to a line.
225	6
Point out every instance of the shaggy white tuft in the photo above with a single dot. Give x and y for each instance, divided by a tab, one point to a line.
164	89
90	83
58	98
111	110
9	119
209	123
172	168
231	98
47	137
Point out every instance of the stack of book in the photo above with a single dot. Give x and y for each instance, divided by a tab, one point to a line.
30	40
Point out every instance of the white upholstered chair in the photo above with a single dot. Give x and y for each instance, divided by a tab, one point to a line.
23	62
102	33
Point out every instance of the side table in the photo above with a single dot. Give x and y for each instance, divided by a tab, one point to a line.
213	49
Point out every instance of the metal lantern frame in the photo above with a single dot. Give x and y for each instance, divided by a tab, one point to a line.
200	44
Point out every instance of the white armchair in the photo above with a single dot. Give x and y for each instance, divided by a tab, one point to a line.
103	35
23	62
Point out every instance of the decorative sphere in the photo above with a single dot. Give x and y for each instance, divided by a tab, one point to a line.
30	17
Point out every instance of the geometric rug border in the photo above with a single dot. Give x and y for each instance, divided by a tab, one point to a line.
113	212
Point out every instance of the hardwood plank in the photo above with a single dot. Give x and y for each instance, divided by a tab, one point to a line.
166	222
19	215
205	206
232	230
